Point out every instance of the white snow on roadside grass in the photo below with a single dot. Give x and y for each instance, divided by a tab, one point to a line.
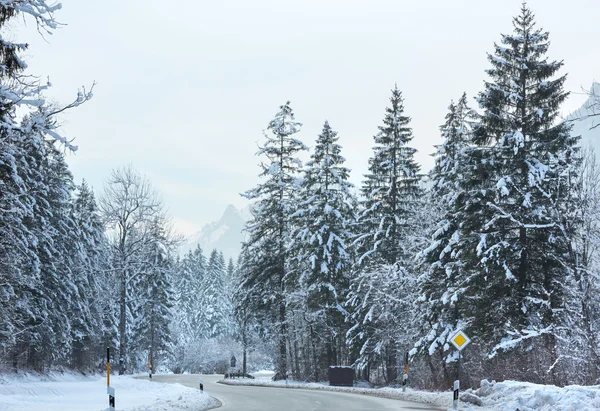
502	396
524	396
71	392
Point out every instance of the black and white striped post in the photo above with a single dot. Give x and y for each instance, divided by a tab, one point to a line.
460	340
110	390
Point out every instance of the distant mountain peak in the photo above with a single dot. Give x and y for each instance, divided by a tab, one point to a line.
230	213
225	235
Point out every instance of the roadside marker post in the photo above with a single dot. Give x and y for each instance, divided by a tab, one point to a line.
405	377
150	365
460	340
109	390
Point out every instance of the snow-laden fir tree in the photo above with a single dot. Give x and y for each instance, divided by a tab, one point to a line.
380	305
186	333
252	326
211	316
521	211
57	256
322	245
189	286
90	327
231	282
391	188
49	183
265	281
19	264
392	195
155	296
445	276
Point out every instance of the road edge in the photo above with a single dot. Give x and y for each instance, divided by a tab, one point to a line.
218	401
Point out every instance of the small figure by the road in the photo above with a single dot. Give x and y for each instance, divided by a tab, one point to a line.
201	385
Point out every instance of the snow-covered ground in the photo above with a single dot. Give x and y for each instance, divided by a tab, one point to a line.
72	392
502	396
513	395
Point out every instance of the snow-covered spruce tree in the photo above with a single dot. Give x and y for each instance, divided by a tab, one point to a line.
19	265
57	260
54	247
230	284
265	279
211	314
186	334
322	245
89	333
442	283
251	325
391	197
154	294
528	163
391	189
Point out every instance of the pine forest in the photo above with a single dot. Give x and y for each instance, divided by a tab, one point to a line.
500	239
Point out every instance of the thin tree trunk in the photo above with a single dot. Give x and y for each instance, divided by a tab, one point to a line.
282	360
245	347
296	359
122	324
315	361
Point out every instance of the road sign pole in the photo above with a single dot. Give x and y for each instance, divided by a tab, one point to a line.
457	385
109	390
460	340
458	368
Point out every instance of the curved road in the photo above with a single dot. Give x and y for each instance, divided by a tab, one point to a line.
245	398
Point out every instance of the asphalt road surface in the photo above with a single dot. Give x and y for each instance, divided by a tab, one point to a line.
245	398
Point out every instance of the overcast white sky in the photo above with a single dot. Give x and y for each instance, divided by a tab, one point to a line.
186	87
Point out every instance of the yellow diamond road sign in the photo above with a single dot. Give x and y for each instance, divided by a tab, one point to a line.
460	340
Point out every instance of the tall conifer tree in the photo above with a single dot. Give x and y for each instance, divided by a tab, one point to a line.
266	280
517	206
322	244
392	196
442	284
391	188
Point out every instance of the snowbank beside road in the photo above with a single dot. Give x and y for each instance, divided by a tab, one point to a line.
72	392
502	396
513	395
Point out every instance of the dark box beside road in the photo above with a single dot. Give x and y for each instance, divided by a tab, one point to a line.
341	376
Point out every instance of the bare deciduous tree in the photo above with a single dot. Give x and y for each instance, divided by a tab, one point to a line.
130	207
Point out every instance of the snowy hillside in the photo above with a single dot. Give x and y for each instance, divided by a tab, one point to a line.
225	234
587	117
